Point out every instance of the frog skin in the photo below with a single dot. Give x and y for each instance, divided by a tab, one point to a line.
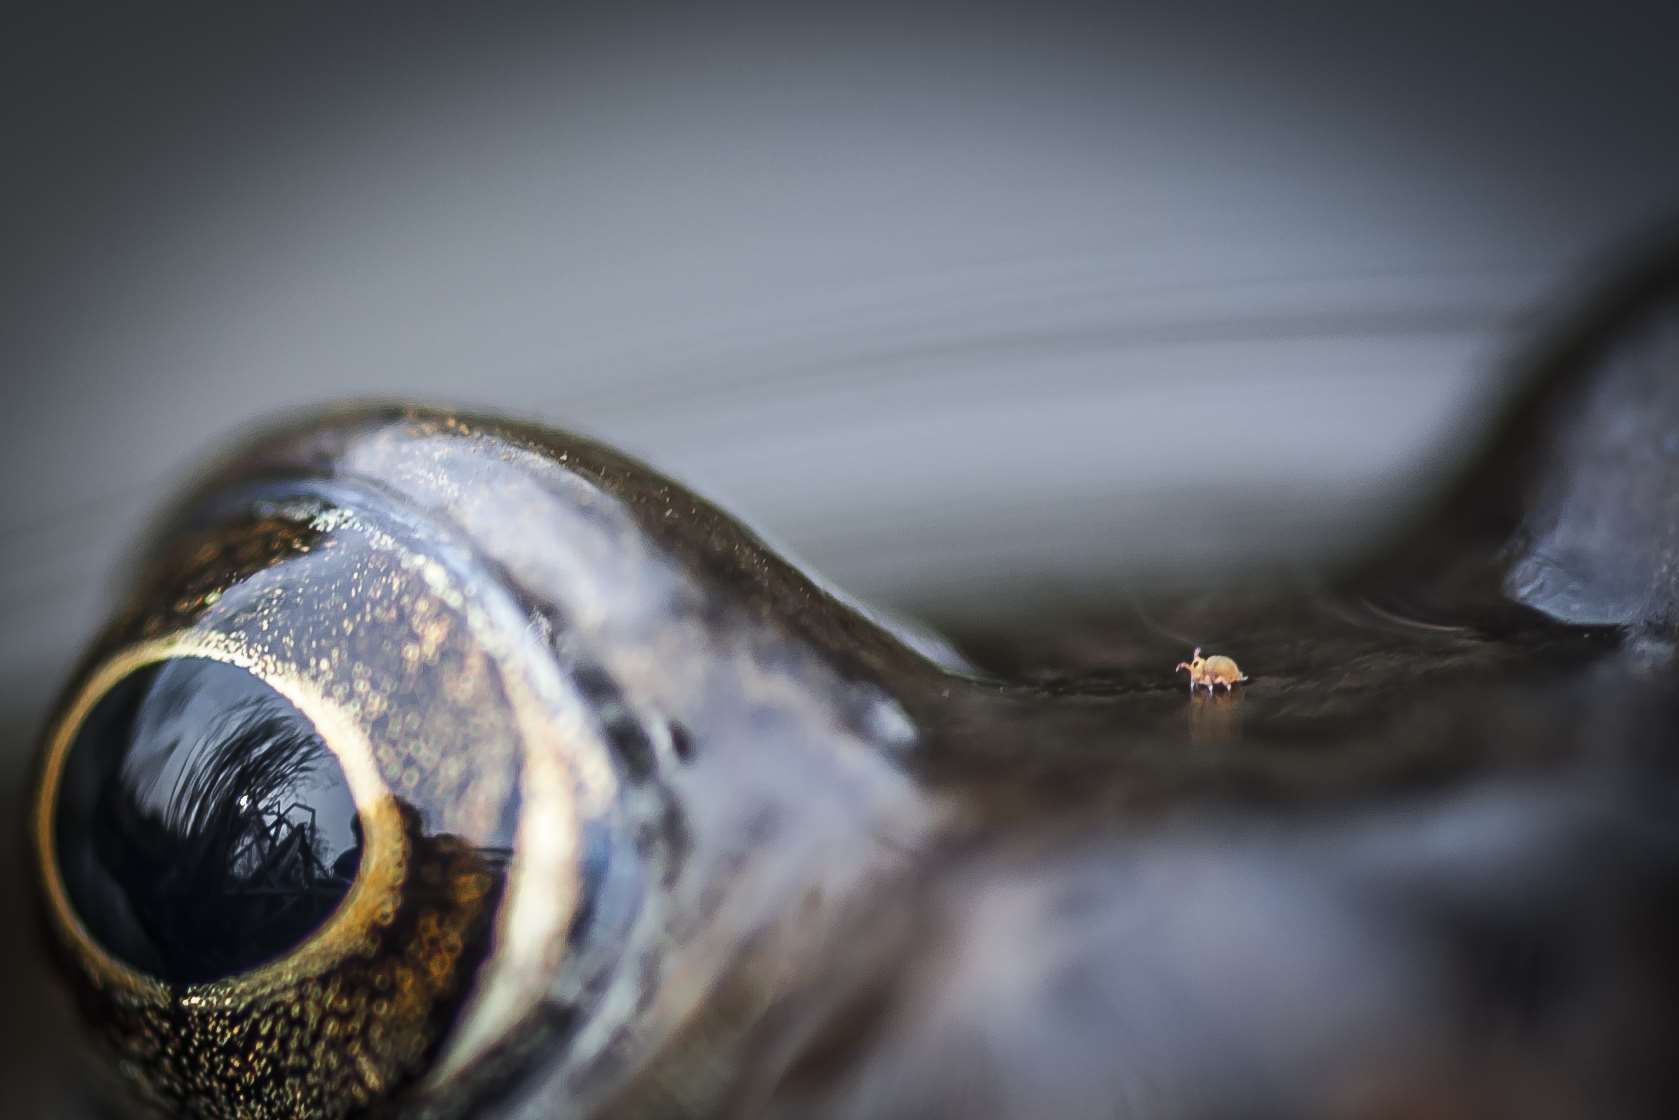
651	824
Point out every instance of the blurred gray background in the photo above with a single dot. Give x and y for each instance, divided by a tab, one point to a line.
953	301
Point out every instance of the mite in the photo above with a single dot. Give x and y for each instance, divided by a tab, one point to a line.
1214	672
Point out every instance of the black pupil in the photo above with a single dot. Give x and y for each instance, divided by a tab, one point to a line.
203	826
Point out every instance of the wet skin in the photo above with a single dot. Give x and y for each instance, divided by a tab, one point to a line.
633	819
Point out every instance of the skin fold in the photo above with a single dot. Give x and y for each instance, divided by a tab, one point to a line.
716	843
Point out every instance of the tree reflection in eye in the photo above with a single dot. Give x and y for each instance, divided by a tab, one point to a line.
206	826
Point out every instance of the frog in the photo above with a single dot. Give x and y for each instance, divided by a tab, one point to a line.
436	764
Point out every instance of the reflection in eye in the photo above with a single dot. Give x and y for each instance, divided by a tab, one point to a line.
204	828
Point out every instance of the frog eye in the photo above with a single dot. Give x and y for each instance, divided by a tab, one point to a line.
240	891
307	825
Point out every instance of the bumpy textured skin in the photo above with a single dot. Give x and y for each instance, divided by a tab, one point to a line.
1426	863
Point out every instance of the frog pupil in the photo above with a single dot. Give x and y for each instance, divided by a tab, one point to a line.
203	826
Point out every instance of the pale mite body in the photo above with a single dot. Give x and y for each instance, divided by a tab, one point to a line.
1211	673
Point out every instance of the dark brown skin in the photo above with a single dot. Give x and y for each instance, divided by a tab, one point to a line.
1425	864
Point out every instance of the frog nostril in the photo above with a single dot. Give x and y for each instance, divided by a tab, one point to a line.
629	740
681	743
203	826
